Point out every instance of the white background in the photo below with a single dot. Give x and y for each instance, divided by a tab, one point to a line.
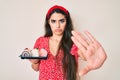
22	22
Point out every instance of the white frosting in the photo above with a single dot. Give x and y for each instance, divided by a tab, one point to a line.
43	52
35	53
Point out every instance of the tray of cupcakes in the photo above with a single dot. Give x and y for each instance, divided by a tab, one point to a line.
33	54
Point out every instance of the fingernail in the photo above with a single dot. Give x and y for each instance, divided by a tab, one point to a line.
73	32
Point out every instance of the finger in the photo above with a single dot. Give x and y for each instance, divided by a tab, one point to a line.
80	34
81	38
92	39
78	44
81	55
89	35
31	60
84	71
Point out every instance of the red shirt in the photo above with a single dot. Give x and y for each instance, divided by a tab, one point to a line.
51	68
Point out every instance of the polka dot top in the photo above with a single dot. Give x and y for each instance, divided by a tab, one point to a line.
51	68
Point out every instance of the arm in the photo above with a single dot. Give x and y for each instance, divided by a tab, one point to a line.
36	62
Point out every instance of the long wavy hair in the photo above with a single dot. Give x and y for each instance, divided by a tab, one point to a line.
68	61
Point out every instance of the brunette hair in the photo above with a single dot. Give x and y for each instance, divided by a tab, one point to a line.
69	61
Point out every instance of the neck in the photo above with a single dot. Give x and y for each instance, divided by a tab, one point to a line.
56	38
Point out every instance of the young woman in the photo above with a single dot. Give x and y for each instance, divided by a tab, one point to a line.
64	46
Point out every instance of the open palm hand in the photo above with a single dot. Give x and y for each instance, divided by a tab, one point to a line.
90	50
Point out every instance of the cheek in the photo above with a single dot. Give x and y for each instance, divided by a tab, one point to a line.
52	25
63	26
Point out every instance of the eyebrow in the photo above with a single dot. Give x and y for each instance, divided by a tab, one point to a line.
62	19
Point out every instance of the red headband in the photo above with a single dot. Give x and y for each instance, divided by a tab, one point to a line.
57	7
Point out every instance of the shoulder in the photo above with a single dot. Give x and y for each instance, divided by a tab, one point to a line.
42	38
74	50
41	42
74	47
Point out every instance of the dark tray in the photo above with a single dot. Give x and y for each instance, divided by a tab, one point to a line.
33	57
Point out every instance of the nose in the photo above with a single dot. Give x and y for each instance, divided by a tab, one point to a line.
57	24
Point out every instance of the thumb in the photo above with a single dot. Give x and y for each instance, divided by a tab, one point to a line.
84	71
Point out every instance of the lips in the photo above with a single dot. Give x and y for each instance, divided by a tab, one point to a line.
58	30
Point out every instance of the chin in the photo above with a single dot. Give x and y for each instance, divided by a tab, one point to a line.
59	34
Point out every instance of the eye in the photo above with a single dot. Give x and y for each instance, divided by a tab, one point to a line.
62	20
52	21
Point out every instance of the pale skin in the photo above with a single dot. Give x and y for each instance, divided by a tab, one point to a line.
90	49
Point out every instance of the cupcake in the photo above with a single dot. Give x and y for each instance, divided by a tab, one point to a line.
26	53
35	53
43	52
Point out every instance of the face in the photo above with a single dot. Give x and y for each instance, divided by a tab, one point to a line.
57	23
